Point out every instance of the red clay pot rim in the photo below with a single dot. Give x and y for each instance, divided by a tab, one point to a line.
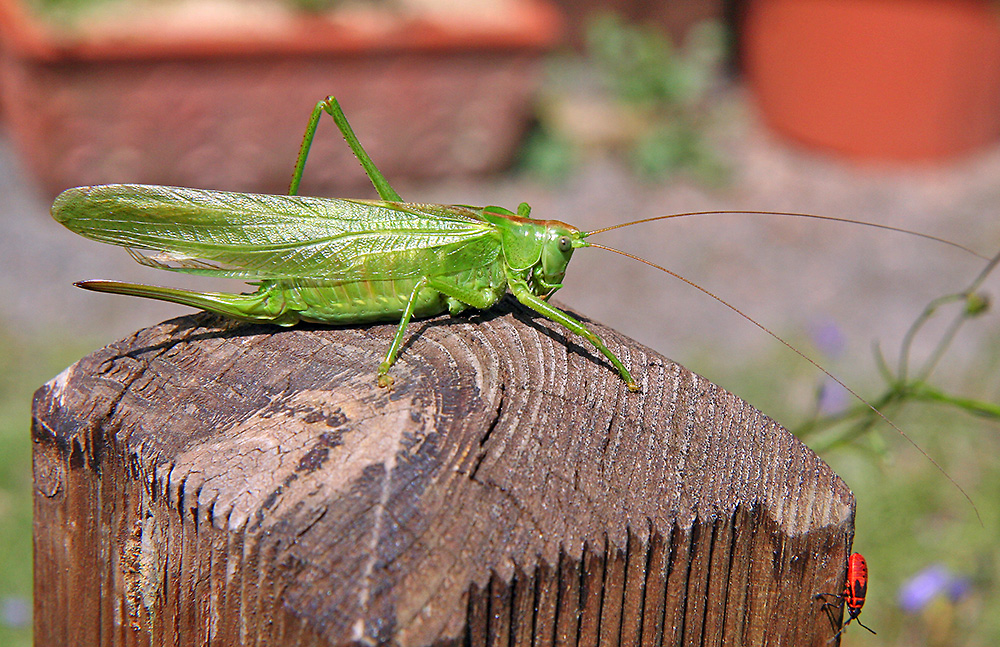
534	25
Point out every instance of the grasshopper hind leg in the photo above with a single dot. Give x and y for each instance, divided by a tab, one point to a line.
332	108
262	306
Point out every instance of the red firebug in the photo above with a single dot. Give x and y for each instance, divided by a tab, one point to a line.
855	589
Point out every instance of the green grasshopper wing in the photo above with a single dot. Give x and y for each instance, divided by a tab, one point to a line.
248	236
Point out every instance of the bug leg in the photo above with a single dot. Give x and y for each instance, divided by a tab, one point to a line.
480	299
831	610
266	305
384	379
307	140
527	298
332	107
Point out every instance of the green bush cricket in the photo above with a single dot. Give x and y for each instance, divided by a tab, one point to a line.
330	260
341	261
338	261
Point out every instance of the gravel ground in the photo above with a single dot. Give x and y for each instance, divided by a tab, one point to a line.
792	275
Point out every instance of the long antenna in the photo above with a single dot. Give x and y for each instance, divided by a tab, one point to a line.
803	356
795	215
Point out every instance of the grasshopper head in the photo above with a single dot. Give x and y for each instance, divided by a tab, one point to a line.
557	247
538	249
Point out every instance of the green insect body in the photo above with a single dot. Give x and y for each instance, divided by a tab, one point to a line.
332	261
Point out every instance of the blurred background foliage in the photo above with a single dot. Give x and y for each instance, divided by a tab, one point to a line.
633	94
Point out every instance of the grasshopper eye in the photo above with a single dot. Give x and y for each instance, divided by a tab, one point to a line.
564	243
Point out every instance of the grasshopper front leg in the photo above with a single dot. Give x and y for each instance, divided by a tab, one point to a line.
524	294
460	297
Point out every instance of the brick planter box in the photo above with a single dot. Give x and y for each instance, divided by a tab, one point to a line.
228	111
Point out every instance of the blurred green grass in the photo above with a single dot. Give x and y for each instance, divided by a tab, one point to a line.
26	362
909	516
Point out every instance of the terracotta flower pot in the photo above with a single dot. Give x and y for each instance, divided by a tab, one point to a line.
226	108
878	79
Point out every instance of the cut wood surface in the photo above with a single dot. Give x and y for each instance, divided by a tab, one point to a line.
213	482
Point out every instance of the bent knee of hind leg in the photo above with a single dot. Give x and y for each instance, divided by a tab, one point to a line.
269	304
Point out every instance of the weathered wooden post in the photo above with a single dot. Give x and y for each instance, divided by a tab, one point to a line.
207	482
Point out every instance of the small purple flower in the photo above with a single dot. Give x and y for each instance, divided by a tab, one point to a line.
15	612
833	398
828	338
917	592
958	588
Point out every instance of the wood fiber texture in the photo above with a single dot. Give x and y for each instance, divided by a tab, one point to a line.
209	482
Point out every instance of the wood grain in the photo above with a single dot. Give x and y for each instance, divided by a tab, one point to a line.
208	482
